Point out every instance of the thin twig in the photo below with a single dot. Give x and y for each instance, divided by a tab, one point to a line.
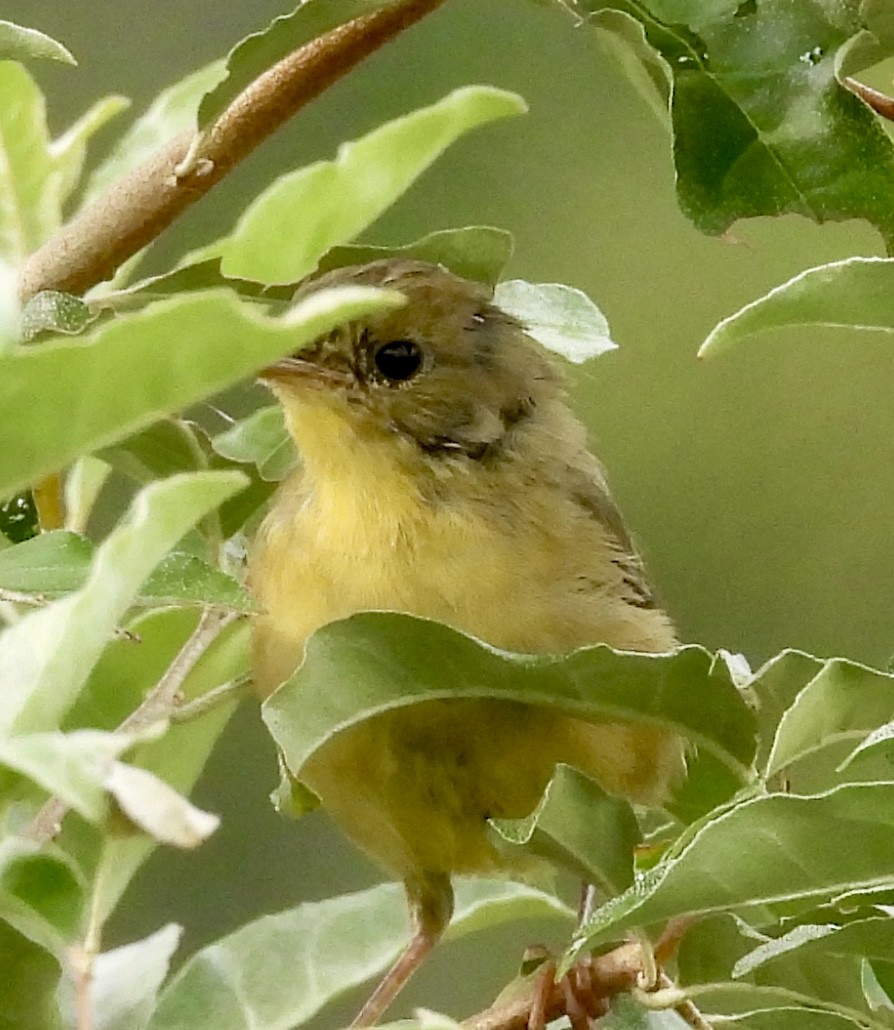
881	103
161	702
210	700
138	207
48	821
158	705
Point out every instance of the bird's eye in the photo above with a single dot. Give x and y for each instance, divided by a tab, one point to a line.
398	360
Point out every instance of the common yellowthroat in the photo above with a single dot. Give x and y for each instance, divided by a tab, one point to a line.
443	474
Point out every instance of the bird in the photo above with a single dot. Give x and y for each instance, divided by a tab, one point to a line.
444	474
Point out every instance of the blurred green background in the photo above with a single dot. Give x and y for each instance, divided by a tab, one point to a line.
760	485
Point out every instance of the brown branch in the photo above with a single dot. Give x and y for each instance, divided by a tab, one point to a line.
136	209
606	975
881	103
584	994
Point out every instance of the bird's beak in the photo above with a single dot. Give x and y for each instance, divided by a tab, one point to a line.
301	370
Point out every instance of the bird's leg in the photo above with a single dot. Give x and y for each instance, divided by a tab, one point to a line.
430	899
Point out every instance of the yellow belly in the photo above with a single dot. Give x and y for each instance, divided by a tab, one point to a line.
414	788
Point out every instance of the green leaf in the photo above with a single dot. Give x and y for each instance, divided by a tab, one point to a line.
195	275
843	701
30	976
72	766
83	485
477	252
160	450
778	946
855	294
57	563
802	976
124	983
625	1014
18	43
561	318
41	894
876	996
872	44
761	124
30	183
580	827
81	768
709	784
54	311
879	742
424	1019
41	904
262	440
625	38
278	971
46	657
375	661
261	50
242	513
712	945
182	578
784	1017
282	234
50	564
157	809
864	938
775	686
169	356
788	858
172	111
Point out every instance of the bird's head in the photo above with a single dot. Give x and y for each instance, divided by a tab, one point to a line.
446	376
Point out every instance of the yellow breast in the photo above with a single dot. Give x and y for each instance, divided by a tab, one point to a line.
502	562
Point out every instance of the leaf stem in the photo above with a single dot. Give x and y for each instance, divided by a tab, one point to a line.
776	995
140	205
81	964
